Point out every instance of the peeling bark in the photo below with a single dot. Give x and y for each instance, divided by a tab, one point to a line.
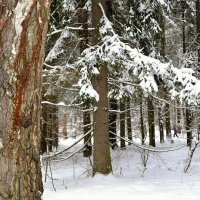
23	26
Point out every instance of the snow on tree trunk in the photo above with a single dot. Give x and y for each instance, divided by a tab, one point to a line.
23	26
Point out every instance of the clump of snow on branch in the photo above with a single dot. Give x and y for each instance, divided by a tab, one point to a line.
58	47
134	66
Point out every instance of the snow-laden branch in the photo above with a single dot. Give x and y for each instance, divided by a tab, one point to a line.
68	28
77	151
61	152
148	148
189	160
130	65
61	104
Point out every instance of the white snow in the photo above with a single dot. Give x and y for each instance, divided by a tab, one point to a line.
1	143
58	47
163	179
20	12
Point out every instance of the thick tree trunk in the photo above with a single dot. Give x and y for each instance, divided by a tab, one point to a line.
102	159
23	26
151	122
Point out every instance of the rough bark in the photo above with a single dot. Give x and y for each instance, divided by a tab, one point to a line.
102	159
23	26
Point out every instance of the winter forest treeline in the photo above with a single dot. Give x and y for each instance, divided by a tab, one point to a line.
115	73
119	71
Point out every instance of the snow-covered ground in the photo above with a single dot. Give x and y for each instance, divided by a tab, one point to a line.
164	178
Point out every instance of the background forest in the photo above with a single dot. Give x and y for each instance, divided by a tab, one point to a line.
121	70
120	74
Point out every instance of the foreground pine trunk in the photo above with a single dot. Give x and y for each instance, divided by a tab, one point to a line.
23	26
102	160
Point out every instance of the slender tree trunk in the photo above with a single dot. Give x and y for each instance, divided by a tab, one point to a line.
49	125
188	112
198	33
188	127
23	27
198	46
83	21
151	122
102	159
142	121
167	119
64	125
183	26
87	127
113	123
122	124
161	128
128	120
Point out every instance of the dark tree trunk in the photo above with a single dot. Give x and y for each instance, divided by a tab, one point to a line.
87	127
102	159
151	122
198	46
188	127
83	33
161	128
122	124
128	120
49	138
142	122
183	26
113	123
198	33
64	124
23	27
167	120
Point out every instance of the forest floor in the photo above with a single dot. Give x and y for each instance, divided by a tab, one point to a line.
163	178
